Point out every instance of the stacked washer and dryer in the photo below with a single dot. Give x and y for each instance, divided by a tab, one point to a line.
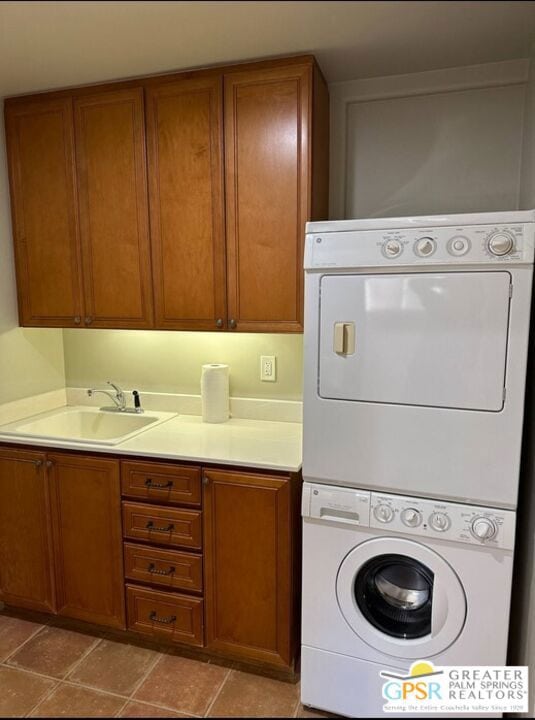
416	336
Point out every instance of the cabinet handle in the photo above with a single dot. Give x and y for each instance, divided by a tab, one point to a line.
150	526
153	617
232	323
88	320
149	482
49	463
154	571
206	480
38	463
219	322
77	320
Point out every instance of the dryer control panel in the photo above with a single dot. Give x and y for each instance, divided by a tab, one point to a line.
496	244
470	524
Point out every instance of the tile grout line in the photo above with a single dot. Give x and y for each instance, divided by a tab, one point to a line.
140	682
45	697
15	651
80	660
218	693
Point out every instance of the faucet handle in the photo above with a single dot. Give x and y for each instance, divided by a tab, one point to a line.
115	387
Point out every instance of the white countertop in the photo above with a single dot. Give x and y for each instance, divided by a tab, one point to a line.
262	444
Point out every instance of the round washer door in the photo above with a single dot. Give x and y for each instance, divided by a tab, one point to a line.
401	598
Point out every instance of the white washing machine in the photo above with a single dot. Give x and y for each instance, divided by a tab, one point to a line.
390	579
416	334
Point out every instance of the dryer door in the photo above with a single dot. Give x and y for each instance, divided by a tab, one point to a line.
401	597
428	339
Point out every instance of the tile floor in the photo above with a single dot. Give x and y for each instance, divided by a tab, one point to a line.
48	671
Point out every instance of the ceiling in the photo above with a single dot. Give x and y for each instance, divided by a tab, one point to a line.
54	44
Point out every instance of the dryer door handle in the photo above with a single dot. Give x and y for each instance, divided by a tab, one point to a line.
344	338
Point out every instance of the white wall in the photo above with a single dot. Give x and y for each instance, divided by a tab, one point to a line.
430	142
527	184
31	360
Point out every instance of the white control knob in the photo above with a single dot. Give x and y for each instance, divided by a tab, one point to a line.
483	528
424	247
411	517
383	513
500	243
458	245
439	521
392	248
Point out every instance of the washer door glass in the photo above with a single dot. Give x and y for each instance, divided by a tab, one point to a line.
395	593
401	597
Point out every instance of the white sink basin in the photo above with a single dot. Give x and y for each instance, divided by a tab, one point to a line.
85	425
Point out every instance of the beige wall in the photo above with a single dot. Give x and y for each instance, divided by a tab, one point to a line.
31	360
159	361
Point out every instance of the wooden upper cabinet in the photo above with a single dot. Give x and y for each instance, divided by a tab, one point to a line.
184	143
26	568
268	119
40	144
112	189
86	503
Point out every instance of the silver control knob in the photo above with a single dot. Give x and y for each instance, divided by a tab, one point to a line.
483	528
500	243
392	248
383	513
439	521
411	517
424	247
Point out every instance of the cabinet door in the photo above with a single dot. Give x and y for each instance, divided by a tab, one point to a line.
184	142
267	195
86	499
112	187
26	571
40	148
248	551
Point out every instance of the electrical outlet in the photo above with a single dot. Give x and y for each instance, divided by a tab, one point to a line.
268	368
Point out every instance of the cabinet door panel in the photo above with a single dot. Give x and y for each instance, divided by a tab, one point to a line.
184	141
26	572
248	549
112	187
40	146
88	538
267	195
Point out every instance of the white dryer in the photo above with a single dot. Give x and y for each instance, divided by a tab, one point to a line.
416	334
390	579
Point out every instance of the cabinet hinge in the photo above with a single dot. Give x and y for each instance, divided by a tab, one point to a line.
511	290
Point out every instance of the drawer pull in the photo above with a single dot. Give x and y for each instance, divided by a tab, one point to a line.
154	571
150	526
149	482
153	617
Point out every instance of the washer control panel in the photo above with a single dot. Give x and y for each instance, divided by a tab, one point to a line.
448	521
502	244
400	514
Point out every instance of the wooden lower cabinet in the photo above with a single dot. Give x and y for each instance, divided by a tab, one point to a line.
87	533
250	575
26	571
223	576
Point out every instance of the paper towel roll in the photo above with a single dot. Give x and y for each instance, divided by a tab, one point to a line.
215	393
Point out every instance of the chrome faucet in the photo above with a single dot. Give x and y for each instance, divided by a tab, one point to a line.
118	398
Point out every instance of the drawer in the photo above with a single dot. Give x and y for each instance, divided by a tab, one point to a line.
177	617
162	525
170	568
157	482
